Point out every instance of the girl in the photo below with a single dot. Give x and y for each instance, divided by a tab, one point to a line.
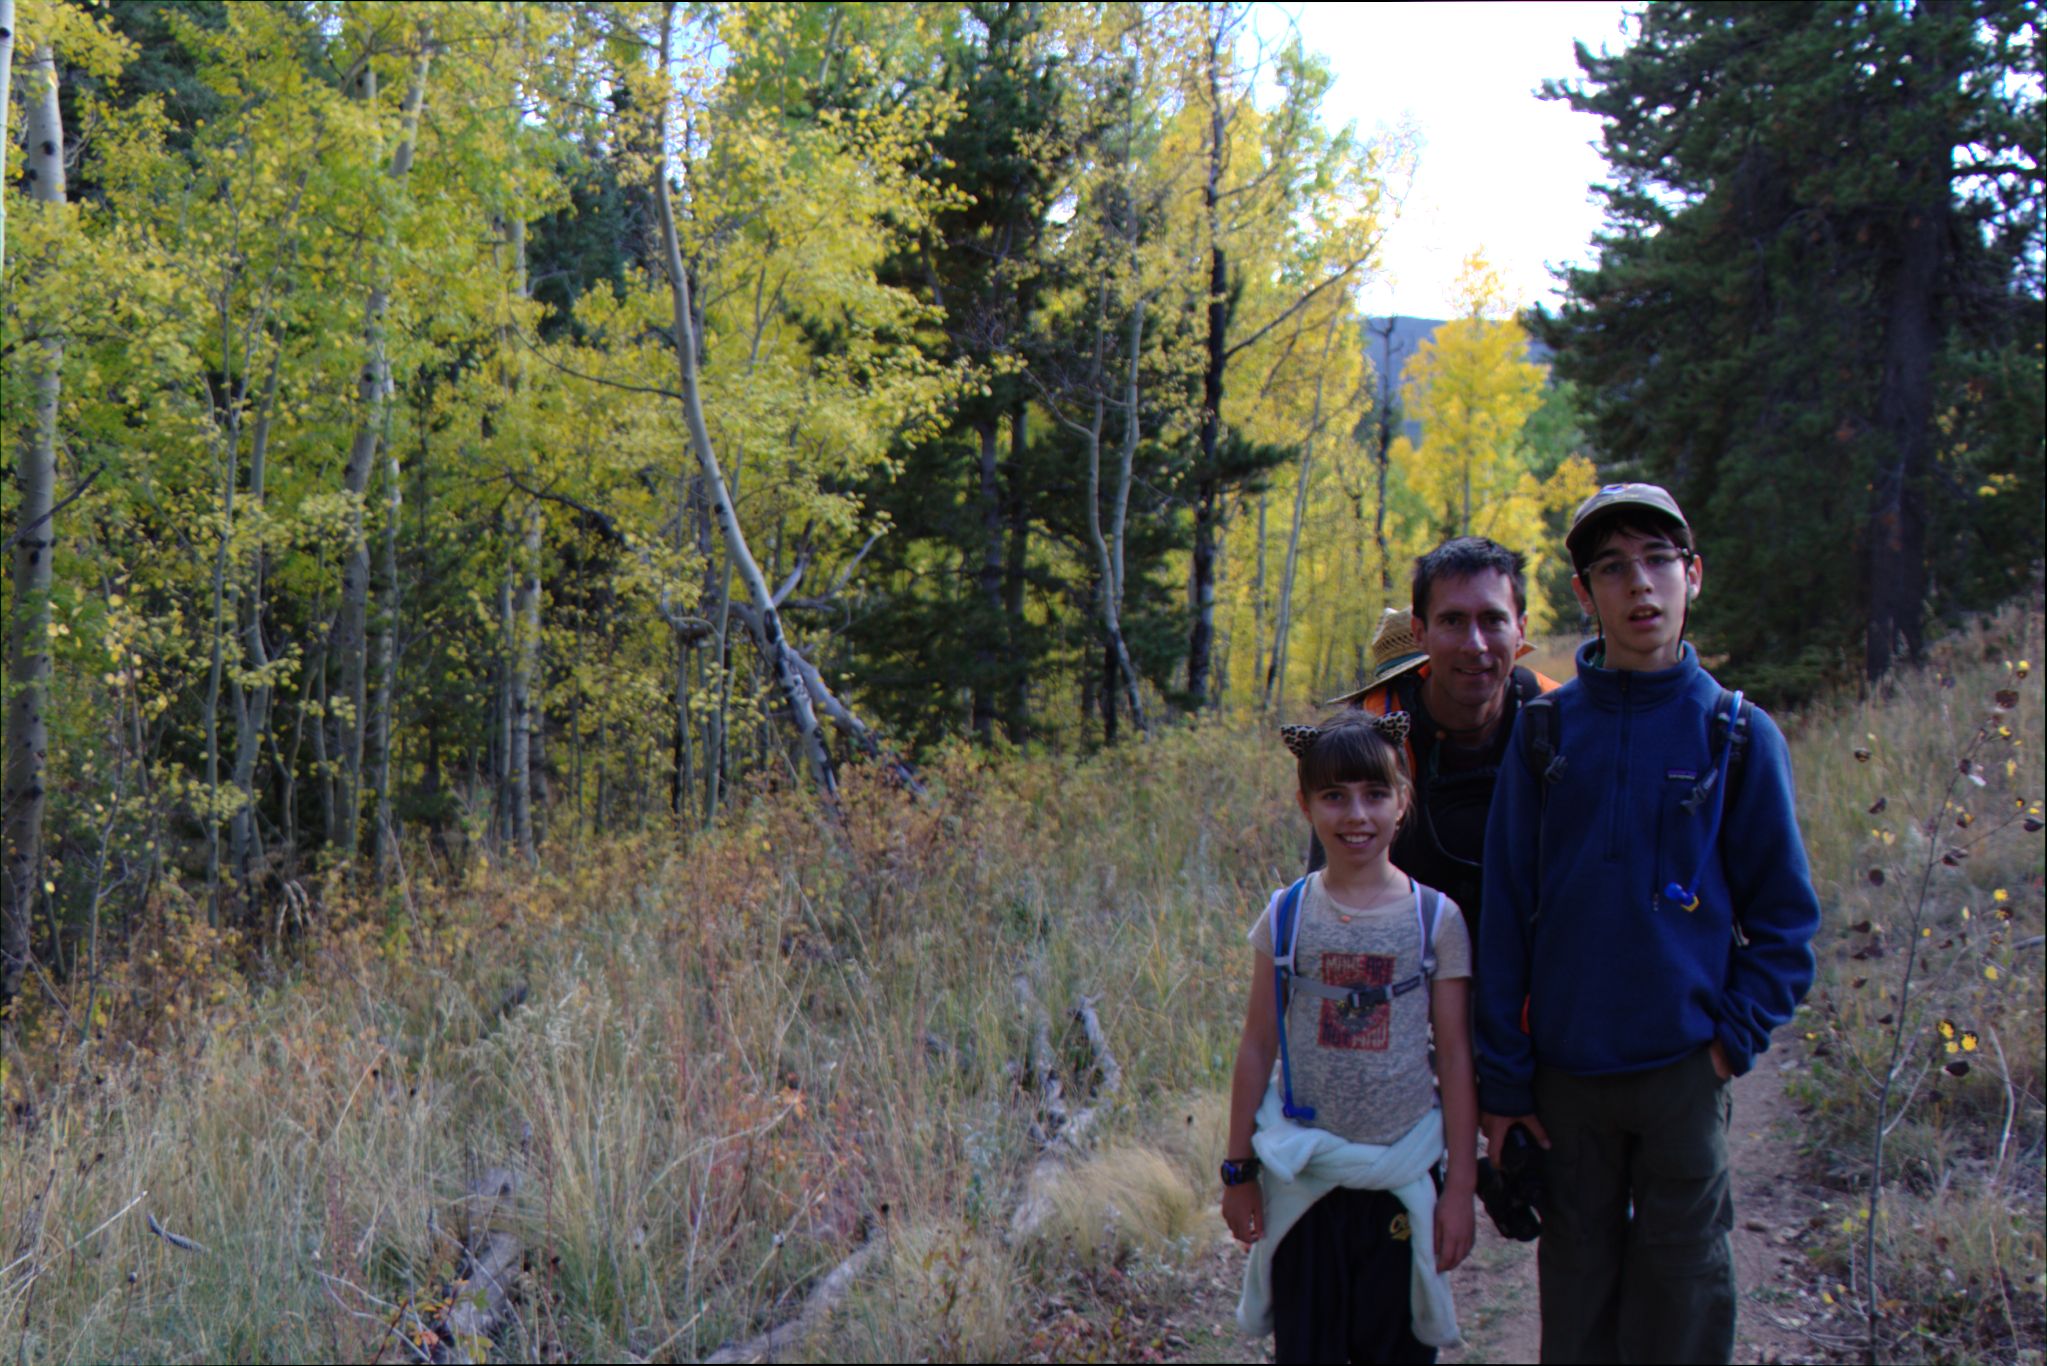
1335	1191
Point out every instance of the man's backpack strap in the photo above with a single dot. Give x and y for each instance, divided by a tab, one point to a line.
1542	739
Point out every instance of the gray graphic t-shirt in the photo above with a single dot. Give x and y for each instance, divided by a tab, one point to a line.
1367	1074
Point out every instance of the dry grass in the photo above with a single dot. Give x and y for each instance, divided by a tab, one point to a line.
1961	1270
730	1064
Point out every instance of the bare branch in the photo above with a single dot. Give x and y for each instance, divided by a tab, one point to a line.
782	593
55	508
534	348
845	574
1295	307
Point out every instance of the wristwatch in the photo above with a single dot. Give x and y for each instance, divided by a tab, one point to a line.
1238	1171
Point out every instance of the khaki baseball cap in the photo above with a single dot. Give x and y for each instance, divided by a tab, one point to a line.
1649	496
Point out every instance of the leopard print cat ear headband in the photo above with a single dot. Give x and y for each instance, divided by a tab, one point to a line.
1301	739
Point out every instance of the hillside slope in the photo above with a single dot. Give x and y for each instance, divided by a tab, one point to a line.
638	1105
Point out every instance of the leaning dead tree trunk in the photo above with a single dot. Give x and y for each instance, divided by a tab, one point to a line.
774	647
347	720
28	655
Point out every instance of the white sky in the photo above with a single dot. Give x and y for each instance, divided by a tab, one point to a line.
1499	169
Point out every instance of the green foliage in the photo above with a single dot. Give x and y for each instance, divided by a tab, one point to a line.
1818	215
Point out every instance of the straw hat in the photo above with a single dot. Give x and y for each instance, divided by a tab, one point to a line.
1394	650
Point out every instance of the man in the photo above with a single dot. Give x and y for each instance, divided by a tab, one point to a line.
1451	668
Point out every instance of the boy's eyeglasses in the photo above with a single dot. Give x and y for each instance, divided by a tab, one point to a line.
1618	569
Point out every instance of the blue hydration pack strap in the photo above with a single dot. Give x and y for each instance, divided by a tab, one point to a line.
1687	898
1284	927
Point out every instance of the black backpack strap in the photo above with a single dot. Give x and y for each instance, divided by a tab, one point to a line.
1730	732
1542	749
1542	739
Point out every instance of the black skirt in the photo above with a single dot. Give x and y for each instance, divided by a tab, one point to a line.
1341	1283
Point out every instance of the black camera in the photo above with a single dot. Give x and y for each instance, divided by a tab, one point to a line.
1513	1186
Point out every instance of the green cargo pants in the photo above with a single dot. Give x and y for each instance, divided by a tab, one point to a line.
1635	1263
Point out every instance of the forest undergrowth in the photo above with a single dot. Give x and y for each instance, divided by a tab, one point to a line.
710	1071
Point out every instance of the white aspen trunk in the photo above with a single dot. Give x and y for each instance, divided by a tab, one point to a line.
230	475
1275	681
526	599
1119	522
774	647
6	108
682	786
252	704
373	390
525	667
717	728
386	839
28	655
1258	664
1109	550
501	823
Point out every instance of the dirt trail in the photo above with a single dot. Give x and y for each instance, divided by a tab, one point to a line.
1495	1288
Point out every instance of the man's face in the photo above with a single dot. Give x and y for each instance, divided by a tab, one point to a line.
1473	634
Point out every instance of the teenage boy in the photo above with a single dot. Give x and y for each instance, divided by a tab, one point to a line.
1450	665
1640	942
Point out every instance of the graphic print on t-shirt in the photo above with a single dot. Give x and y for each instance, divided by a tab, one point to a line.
1364	1029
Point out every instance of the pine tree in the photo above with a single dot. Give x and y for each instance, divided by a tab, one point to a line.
967	495
1815	209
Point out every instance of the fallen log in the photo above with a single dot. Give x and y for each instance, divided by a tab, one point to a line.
1105	1060
477	1302
1064	1134
482	1293
787	1337
1044	1076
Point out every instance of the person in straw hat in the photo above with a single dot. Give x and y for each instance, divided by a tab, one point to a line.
1449	662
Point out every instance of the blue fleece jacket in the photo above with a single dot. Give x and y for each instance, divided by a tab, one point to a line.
1617	978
